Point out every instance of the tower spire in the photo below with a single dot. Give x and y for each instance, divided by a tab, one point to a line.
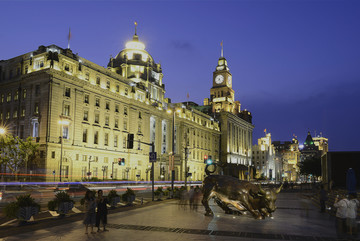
135	23
222	48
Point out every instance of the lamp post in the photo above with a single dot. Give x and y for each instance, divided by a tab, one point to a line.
2	134
62	123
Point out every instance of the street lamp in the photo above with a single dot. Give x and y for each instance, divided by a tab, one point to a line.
169	111
62	124
2	134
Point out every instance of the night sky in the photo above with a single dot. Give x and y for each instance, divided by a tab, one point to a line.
295	64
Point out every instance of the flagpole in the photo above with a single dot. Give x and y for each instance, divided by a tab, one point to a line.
69	36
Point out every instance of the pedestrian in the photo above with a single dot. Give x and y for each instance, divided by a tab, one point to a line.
341	213
323	199
191	197
101	213
90	205
351	225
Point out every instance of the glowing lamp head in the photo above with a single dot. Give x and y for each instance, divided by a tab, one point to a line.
2	131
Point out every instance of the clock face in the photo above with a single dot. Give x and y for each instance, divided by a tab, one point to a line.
219	79
229	80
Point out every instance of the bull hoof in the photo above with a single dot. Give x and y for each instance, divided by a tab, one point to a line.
209	214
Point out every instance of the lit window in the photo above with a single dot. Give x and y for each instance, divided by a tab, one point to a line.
36	109
85	135
66	110
115	141
8	98
106	139
97	102
86	115
24	93
67	91
16	96
86	99
65	131
96	137
116	125
107	120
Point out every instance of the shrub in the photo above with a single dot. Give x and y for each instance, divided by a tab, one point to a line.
112	194
11	210
60	197
126	196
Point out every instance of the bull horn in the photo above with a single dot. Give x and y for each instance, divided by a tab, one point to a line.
279	189
261	191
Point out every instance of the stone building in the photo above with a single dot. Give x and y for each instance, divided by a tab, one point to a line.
81	114
264	159
289	154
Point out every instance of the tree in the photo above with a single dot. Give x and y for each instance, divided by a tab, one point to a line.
311	165
17	153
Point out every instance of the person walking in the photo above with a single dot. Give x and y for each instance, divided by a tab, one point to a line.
323	199
341	214
101	214
352	209
90	205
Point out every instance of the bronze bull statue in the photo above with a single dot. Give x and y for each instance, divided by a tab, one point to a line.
243	195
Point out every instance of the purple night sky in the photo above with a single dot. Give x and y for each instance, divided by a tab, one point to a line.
295	64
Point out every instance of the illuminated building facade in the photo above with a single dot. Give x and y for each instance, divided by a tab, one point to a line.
264	158
98	107
289	154
235	124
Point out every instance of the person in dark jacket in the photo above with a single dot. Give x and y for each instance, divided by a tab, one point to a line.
323	199
101	214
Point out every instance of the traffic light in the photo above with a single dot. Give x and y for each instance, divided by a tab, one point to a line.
130	141
209	160
205	159
121	161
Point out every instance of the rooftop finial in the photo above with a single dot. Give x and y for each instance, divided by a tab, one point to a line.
222	48
135	27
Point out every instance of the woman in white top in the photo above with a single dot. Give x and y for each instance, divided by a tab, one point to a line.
341	214
352	210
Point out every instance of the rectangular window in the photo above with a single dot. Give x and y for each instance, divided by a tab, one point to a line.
107	120
24	93
97	102
95	172
36	108
22	114
37	90
8	98
126	91
124	142
67	91
125	111
87	76
117	108
66	110
125	125
107	105
116	125
85	135
117	88
15	113
115	141
106	139
98	81
53	154
96	137
2	98
86	115
84	158
77	157
16	96
97	118
26	69
86	99
65	131
83	172
108	85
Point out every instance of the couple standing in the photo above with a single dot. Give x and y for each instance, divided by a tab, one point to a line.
92	217
346	213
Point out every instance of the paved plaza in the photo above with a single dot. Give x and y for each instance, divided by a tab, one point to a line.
297	218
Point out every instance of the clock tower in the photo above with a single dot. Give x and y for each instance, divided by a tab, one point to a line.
222	96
